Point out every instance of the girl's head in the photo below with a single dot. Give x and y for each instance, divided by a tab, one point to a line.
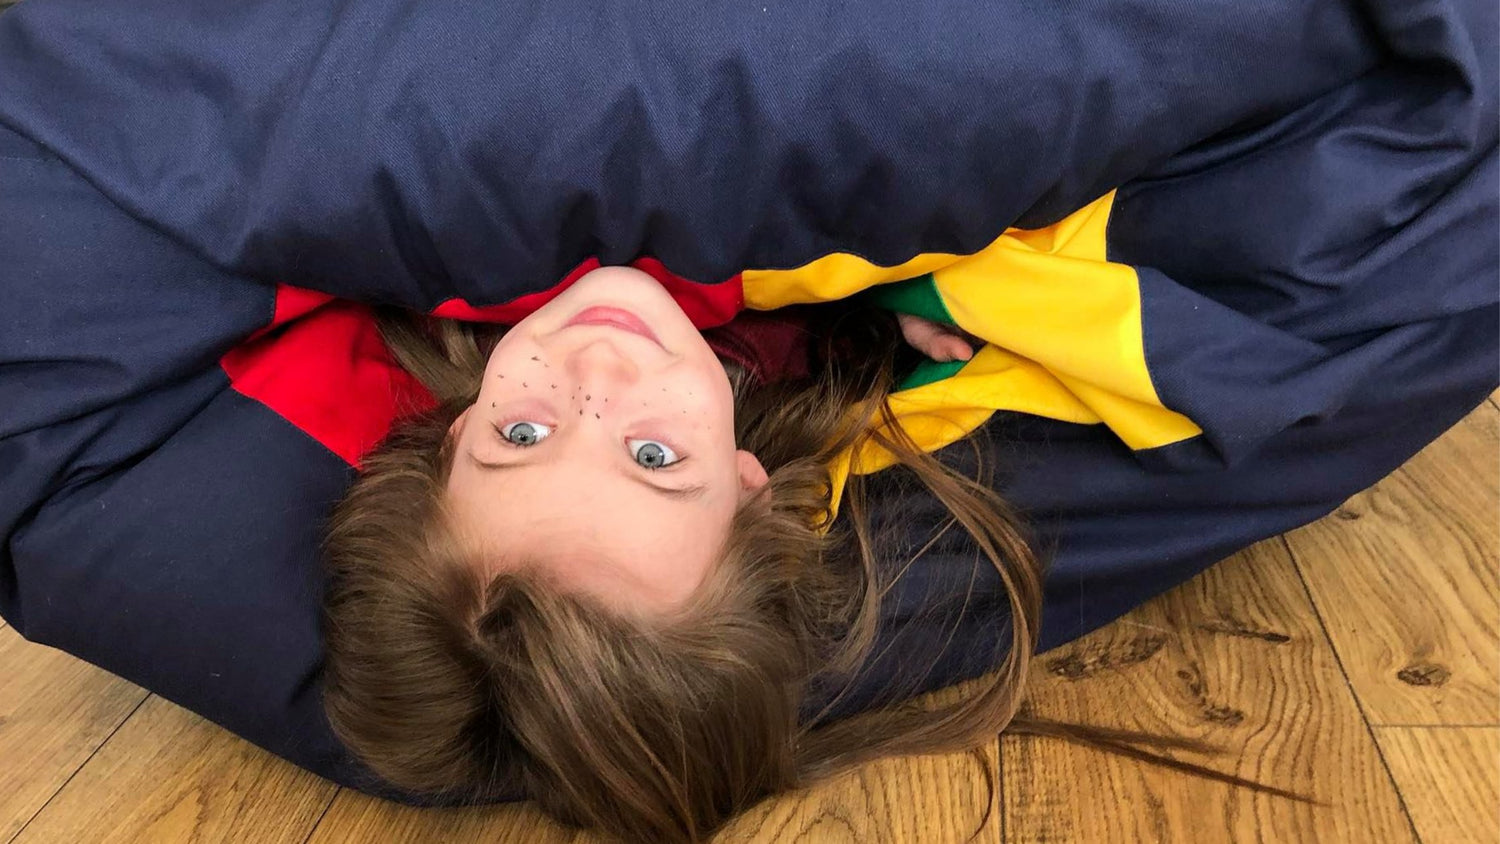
600	454
576	579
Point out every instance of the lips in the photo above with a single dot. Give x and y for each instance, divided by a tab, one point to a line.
614	318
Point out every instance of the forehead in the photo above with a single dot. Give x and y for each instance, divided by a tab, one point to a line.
591	529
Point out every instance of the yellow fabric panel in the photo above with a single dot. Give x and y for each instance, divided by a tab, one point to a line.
1061	322
830	278
841	275
1080	319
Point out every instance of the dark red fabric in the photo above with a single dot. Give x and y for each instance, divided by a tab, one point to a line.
772	346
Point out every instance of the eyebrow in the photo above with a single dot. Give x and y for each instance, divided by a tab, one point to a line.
688	493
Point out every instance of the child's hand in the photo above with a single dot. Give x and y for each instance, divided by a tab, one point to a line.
942	343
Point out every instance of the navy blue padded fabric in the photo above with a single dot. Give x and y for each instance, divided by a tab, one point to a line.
1308	191
410	151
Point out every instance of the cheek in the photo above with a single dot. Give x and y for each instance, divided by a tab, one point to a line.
514	368
709	404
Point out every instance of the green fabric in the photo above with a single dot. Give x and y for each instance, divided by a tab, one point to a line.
929	371
916	296
919	297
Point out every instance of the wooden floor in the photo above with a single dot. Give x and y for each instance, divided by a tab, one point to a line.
1355	660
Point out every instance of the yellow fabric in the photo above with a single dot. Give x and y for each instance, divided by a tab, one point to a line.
830	278
1062	325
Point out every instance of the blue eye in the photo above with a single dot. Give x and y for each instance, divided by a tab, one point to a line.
524	433
651	454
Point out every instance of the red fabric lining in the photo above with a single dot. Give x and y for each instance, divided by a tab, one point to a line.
707	305
292	302
329	374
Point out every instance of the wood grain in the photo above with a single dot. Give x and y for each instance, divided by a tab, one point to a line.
1405	575
922	800
1235	658
55	711
167	775
359	817
1450	779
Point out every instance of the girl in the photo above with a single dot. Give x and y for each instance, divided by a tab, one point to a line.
606	570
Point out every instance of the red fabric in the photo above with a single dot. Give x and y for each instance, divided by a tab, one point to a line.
328	373
707	305
771	346
321	365
291	303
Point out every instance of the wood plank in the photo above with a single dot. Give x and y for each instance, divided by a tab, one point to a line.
167	775
1449	778
1236	658
55	711
1406	576
921	800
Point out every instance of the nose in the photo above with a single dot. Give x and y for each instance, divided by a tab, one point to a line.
601	364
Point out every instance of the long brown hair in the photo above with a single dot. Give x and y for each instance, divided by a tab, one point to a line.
659	730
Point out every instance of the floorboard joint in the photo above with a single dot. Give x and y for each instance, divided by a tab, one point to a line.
323	814
1486	726
42	808
1002	783
1338	660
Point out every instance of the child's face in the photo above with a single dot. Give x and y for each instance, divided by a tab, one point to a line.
601	448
